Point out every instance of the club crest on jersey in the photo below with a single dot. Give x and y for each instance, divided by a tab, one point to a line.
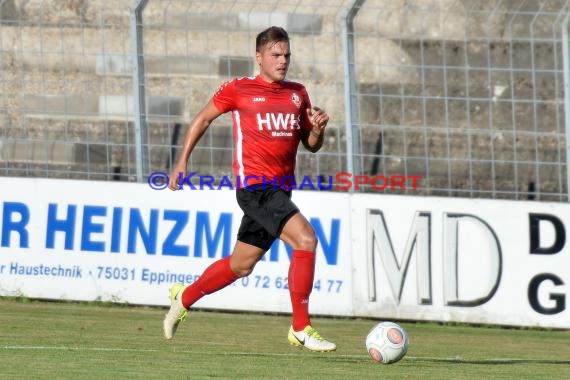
296	99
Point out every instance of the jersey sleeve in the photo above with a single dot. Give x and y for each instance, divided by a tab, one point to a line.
224	98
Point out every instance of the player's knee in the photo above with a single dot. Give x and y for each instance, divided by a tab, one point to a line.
243	272
243	269
246	272
307	241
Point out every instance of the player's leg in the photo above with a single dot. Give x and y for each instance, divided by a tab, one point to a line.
217	276
299	234
223	272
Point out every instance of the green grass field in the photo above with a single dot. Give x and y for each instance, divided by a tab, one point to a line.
56	340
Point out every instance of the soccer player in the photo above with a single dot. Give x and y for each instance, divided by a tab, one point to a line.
270	117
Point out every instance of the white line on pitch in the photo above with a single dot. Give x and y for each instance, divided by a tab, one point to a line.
70	348
111	349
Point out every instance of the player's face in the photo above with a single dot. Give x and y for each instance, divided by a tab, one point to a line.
273	61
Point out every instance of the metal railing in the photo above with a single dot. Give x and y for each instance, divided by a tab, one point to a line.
471	95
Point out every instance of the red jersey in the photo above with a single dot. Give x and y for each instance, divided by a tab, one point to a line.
268	119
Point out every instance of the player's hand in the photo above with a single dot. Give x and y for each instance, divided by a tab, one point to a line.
318	118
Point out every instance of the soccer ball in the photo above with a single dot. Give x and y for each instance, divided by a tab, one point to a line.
387	342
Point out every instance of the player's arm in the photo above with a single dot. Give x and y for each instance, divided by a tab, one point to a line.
313	138
196	129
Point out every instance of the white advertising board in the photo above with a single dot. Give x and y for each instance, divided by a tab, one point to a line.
463	260
381	256
124	242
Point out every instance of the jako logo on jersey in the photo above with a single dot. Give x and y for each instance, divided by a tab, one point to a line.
258	99
277	121
296	100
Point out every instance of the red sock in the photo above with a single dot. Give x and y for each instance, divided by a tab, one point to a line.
217	276
301	275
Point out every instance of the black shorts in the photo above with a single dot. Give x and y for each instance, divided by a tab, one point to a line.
265	213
